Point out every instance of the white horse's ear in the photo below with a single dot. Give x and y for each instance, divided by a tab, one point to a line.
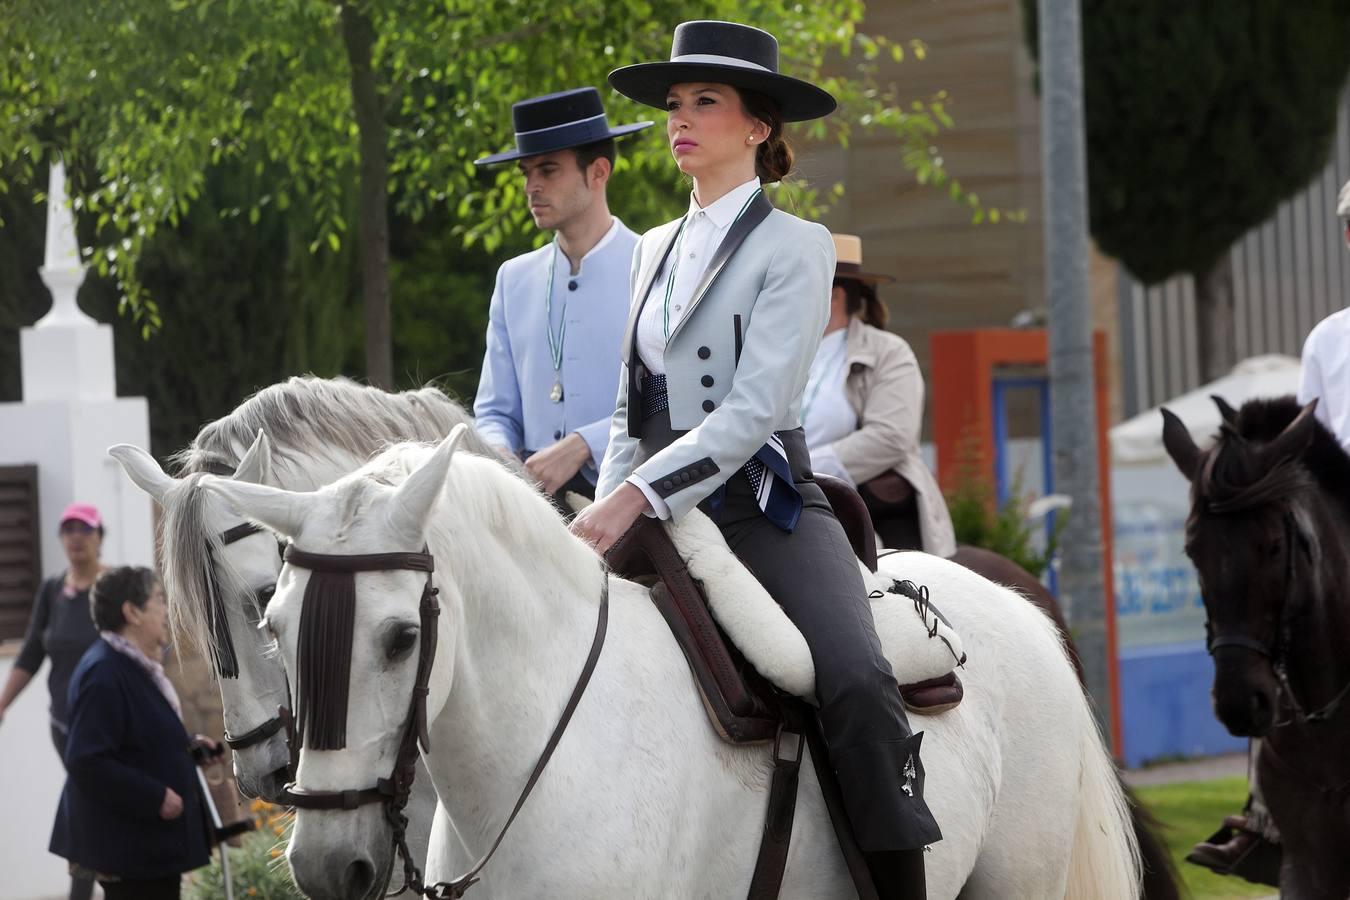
256	466
282	511
143	470
417	495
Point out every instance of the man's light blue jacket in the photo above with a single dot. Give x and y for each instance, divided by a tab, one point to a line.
513	408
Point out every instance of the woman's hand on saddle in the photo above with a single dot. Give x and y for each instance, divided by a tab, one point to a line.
604	521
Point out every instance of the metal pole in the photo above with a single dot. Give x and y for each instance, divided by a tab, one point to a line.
1072	388
216	831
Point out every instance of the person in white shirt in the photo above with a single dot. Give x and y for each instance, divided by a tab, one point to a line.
729	303
1326	357
546	392
863	412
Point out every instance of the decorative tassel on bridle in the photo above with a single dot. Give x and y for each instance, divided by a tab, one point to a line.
325	659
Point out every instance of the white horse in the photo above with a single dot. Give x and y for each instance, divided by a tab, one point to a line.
320	429
642	799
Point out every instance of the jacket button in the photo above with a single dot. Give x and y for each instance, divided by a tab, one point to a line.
707	381
557	435
709	406
704	353
571	285
668	485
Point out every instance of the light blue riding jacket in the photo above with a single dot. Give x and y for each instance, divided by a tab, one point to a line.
513	408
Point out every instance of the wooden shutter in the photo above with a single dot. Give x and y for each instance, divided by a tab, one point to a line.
20	553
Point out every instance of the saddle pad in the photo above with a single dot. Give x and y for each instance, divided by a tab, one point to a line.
918	644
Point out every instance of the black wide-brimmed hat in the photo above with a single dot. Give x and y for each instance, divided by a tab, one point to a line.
559	122
723	53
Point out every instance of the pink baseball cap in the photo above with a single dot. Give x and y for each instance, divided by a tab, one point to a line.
82	512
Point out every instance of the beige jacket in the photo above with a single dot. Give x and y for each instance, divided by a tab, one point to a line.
885	388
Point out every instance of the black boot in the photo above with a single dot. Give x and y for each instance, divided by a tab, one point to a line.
898	874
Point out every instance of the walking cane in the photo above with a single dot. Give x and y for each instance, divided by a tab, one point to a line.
222	833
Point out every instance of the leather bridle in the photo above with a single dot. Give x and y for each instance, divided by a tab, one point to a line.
393	792
1277	650
272	726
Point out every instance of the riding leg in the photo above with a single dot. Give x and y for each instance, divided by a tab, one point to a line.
813	574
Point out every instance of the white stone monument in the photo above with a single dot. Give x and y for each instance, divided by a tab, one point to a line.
70	413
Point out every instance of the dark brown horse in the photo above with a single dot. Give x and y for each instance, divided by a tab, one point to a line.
1269	534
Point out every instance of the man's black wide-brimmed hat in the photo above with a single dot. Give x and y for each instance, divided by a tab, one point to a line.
723	53
559	121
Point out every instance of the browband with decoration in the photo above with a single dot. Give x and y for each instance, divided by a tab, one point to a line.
324	654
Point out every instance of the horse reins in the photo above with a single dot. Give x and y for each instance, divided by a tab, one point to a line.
393	792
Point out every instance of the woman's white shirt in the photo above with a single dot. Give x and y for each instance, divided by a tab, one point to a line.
704	229
827	415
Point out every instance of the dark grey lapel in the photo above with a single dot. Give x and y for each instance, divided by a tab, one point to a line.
644	289
755	213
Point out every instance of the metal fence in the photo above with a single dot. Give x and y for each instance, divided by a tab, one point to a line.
1288	275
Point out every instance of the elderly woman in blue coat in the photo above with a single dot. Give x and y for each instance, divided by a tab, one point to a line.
729	303
131	813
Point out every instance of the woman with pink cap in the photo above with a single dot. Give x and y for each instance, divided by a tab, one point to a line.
62	628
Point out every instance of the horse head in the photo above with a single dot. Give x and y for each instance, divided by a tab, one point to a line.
220	572
1253	539
349	610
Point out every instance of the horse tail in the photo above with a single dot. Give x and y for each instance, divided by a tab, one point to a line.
1161	880
1104	861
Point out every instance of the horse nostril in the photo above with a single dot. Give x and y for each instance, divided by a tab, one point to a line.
360	878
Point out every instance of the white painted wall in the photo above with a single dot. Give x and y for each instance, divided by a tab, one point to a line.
68	442
31	778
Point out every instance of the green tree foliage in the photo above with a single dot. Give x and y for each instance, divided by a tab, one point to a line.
1201	118
394	96
244	304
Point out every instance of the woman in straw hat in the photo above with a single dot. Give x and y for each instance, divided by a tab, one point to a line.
863	412
729	302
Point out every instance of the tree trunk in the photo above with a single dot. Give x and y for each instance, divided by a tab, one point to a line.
359	35
1215	317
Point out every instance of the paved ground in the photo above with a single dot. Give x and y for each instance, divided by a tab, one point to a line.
1232	765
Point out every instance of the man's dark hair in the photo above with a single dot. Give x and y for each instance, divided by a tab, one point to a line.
115	587
589	153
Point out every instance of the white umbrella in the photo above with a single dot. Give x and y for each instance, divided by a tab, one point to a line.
1139	440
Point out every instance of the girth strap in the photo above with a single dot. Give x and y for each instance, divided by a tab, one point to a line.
776	840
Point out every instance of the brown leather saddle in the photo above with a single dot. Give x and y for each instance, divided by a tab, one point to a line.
742	706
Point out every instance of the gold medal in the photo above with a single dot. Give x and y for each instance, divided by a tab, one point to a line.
556	394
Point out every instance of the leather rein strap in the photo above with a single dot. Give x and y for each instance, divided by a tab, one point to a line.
394	791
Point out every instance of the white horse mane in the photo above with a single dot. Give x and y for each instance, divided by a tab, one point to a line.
306	419
306	416
488	500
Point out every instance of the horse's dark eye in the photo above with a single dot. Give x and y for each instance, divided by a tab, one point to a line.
264	596
400	642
